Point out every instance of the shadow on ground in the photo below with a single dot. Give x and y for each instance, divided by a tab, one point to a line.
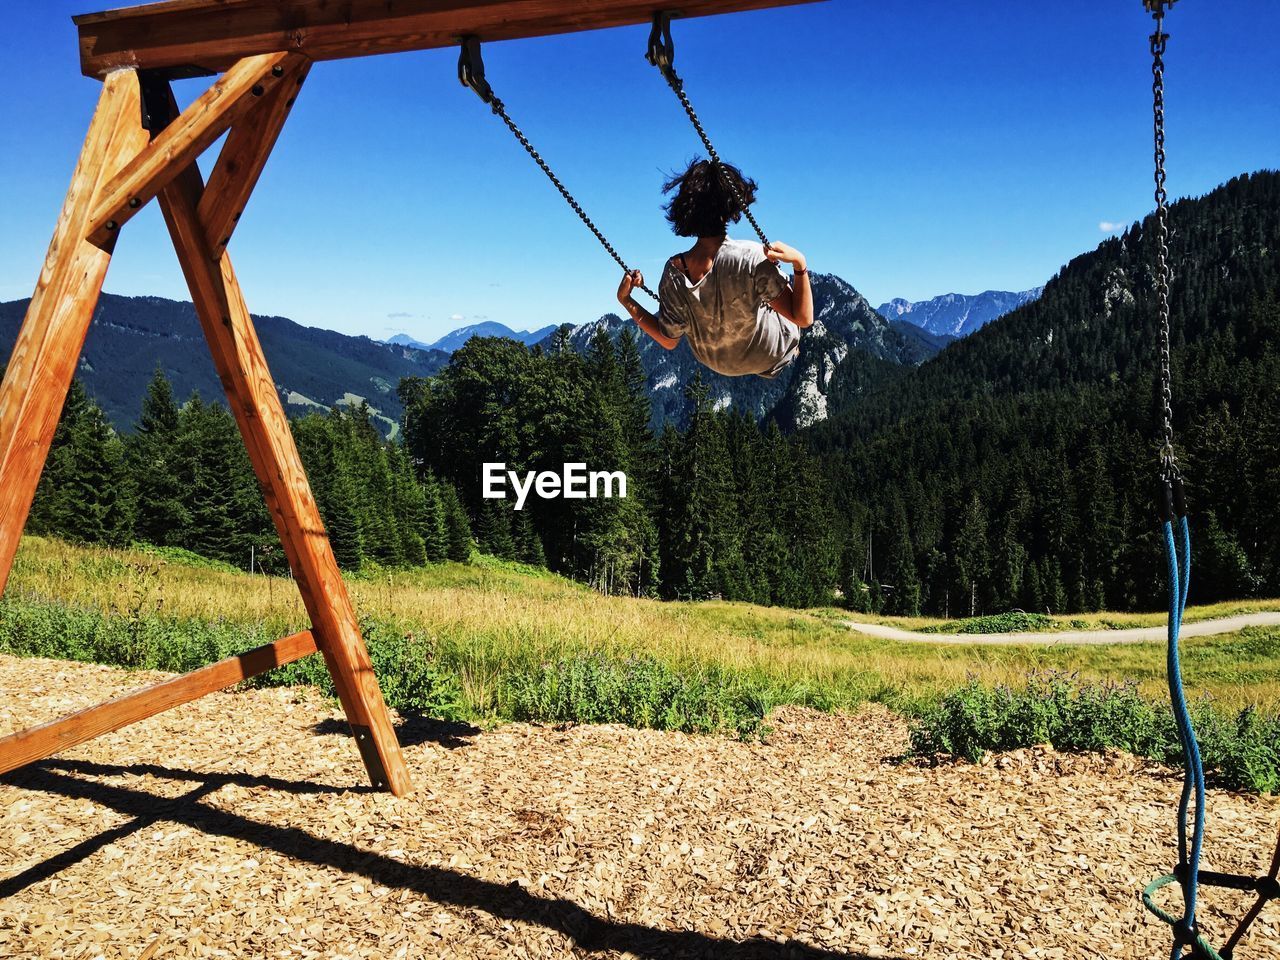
411	731
509	902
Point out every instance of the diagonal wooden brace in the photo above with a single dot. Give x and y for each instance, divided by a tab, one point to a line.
194	131
245	154
37	743
255	402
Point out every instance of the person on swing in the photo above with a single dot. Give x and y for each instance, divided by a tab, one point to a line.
728	298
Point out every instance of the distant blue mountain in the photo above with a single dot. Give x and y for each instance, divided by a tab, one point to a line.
957	314
489	328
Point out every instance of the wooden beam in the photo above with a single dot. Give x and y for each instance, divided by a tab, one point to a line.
213	34
255	402
245	154
208	118
38	743
48	346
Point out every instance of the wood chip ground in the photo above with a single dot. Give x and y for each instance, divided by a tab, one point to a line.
239	826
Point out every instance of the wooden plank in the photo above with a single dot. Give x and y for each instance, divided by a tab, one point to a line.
245	154
28	746
208	118
255	402
48	346
212	34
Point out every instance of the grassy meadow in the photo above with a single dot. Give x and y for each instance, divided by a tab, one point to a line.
486	622
490	641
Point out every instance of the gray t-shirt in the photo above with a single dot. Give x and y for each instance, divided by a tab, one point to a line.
726	315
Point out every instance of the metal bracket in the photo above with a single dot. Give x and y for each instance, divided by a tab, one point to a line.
662	49
157	100
471	68
369	754
1157	7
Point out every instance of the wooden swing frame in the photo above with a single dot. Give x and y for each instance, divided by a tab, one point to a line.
139	147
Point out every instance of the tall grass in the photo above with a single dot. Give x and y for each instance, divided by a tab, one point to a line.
1241	751
497	640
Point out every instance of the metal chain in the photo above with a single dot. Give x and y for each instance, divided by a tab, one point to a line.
677	85
500	109
1169	469
471	74
662	54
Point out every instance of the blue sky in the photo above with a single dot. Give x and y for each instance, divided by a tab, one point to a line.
914	149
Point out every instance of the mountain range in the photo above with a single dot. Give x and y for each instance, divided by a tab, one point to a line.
844	326
957	314
456	338
318	369
313	368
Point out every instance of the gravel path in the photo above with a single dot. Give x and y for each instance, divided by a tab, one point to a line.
1200	628
238	827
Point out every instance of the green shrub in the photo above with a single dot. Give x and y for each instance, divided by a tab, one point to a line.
405	666
1014	621
1071	714
640	692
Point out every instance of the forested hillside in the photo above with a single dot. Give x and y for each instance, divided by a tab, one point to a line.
182	479
722	508
1015	469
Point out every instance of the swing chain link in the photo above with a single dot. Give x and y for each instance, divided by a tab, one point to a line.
1169	470
471	73
662	54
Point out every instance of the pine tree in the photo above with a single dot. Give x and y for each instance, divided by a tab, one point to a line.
527	543
83	494
493	529
457	526
162	512
340	508
435	536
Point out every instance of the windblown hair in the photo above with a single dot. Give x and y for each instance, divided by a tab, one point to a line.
703	205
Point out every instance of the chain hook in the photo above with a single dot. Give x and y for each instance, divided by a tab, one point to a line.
471	68
662	48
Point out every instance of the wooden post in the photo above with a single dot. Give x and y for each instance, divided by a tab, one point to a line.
48	346
254	400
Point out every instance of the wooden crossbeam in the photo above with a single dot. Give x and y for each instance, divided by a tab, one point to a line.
227	100
38	743
213	34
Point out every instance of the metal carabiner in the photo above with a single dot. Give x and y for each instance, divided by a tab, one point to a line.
471	69
662	49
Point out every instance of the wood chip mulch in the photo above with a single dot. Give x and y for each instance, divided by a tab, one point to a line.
239	826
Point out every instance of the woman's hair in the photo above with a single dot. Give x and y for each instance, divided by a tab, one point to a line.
704	205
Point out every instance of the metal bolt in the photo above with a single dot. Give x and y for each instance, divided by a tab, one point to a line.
112	225
277	71
258	90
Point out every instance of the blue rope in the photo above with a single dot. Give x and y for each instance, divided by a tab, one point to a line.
1178	554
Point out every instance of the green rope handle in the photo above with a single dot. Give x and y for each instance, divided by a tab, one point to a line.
1202	946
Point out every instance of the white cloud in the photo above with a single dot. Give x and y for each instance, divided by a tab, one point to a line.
1107	226
457	318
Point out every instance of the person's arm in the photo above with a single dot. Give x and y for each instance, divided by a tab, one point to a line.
646	320
796	302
